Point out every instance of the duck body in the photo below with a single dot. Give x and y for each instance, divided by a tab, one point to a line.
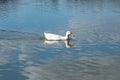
54	37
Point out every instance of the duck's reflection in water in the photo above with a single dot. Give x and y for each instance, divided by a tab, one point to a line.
67	43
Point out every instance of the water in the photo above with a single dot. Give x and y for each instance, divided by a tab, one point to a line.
93	54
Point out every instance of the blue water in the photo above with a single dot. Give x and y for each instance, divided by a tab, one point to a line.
93	54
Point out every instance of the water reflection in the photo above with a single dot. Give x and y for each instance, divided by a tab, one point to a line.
85	68
67	43
26	56
32	60
60	5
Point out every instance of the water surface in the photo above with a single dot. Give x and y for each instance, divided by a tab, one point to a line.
93	54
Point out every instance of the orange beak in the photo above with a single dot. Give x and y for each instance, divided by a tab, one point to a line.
72	35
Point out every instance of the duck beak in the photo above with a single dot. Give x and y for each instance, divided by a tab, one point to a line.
72	35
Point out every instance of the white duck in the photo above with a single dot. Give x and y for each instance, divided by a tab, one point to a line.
54	37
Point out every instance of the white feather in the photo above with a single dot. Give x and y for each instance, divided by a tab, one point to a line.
50	36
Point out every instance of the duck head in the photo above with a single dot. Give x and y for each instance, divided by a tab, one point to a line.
69	33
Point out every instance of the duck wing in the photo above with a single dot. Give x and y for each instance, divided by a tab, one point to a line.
50	36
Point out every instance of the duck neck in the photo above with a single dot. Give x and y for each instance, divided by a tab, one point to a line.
66	36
